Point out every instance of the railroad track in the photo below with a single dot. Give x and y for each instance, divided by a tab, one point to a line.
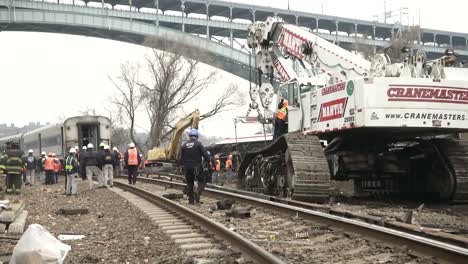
422	245
428	232
188	228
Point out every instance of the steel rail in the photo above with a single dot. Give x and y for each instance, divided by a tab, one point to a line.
424	246
247	247
408	228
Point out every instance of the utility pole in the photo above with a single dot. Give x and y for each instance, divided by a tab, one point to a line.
385	11
288	4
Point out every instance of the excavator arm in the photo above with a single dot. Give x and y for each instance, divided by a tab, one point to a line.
190	120
171	154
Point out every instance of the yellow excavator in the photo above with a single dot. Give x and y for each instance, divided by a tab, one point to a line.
158	157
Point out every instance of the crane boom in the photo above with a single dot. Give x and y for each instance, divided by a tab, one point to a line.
278	40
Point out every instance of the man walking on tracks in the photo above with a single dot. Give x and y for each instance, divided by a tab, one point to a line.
71	168
31	164
89	163
132	160
108	162
191	155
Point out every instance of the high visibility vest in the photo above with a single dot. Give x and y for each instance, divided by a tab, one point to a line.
228	164
57	165
69	164
132	156
49	164
283	111
14	165
218	165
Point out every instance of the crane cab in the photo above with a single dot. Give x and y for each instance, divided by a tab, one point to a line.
301	94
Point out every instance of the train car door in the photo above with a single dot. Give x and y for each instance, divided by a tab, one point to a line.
88	133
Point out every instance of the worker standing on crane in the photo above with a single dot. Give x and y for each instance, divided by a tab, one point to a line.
280	120
191	155
31	164
132	159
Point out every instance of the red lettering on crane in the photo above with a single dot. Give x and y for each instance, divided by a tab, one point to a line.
333	109
427	93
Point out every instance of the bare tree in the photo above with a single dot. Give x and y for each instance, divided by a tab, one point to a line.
174	81
128	98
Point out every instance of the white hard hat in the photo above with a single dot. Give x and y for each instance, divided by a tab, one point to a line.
115	148
106	147
30	151
131	145
72	150
90	145
85	148
53	154
43	153
77	148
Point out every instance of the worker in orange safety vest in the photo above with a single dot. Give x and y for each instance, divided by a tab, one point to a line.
49	167
57	167
132	160
280	120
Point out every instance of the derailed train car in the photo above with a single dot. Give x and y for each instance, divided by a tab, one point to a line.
59	138
237	148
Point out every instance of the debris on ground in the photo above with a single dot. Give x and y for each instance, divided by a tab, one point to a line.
72	211
225	204
239	212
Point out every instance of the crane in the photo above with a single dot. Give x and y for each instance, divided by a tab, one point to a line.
389	126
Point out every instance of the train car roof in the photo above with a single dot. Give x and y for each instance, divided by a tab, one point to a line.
29	132
254	138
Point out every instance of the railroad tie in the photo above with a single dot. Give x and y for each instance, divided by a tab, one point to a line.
186	236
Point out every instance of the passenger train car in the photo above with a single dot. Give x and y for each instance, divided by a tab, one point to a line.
59	138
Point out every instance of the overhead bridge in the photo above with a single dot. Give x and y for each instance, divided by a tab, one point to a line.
215	29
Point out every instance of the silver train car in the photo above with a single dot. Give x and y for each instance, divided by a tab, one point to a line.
59	138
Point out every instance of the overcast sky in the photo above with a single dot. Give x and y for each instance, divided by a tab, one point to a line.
45	76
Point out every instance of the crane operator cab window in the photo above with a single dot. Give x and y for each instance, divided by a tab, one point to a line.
290	91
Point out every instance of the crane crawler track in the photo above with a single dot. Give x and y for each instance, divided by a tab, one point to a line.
456	154
303	173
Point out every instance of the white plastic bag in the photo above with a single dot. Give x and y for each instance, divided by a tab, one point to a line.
38	246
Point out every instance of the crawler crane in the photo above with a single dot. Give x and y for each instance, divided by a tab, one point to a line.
391	127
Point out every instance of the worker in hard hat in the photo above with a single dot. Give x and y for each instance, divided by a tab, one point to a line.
228	167
89	162
57	167
132	160
72	167
107	161
191	154
101	148
41	162
13	166
31	164
217	169
49	166
82	169
281	126
117	159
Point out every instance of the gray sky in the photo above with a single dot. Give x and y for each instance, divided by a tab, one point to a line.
45	76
